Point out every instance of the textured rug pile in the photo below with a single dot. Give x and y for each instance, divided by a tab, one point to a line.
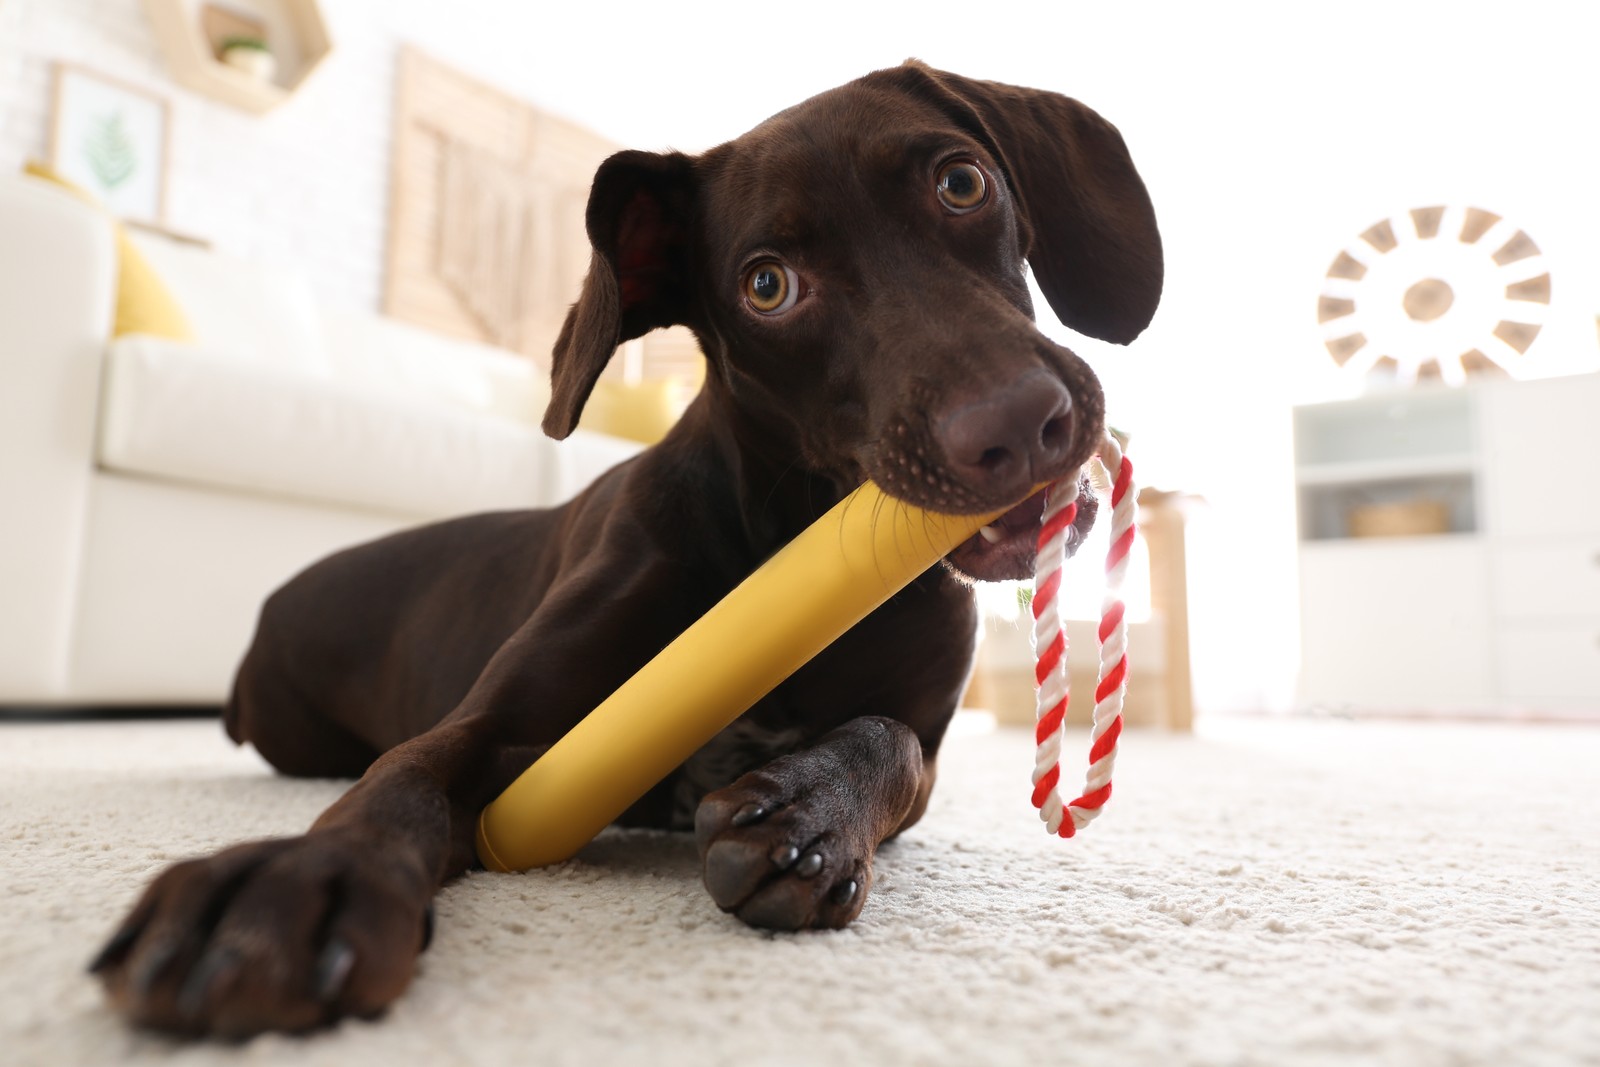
1265	892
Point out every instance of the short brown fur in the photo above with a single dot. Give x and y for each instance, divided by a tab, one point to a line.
437	663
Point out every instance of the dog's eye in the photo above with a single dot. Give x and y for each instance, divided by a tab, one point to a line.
770	287
962	187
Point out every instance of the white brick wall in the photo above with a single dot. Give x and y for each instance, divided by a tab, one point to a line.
306	184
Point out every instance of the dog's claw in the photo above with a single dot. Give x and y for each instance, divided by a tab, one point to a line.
748	814
217	968
845	892
117	948
149	968
783	857
809	866
427	927
279	934
333	970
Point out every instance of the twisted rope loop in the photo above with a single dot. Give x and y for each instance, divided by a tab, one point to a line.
1050	647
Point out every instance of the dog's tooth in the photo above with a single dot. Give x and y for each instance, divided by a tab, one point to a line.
991	534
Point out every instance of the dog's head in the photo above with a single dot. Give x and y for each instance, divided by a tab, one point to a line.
854	268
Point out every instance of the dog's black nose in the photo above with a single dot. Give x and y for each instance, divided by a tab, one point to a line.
1015	436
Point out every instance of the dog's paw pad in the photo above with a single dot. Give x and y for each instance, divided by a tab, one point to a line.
783	870
820	891
734	869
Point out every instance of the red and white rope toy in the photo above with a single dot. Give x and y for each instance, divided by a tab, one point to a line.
1050	647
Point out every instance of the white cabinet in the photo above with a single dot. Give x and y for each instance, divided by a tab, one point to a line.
1402	626
1541	456
1486	595
1550	666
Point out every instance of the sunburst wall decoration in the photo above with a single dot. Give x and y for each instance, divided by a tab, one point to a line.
1439	293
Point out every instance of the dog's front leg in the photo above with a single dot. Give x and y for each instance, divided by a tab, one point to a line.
293	933
790	846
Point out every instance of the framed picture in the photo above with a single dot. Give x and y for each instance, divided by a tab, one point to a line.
111	139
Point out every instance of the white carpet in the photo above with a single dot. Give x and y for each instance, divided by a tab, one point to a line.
1266	893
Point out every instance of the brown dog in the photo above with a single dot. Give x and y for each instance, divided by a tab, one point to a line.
854	270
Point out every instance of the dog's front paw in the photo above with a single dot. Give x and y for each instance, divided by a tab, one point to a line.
285	934
783	858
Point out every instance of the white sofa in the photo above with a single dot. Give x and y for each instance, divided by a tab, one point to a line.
153	492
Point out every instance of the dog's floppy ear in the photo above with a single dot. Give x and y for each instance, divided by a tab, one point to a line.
638	221
1090	232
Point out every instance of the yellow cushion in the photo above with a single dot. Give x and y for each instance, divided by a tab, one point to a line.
642	412
144	304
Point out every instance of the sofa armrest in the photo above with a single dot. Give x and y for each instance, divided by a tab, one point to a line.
57	293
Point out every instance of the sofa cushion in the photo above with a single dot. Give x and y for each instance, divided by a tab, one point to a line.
241	309
144	302
181	412
385	355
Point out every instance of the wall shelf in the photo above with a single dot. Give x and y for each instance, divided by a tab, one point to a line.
295	30
1387	452
1386	470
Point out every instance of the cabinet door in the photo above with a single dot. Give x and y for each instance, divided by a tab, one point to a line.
1541	443
1552	668
1551	578
1395	625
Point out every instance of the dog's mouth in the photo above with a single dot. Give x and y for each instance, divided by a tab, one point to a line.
1006	548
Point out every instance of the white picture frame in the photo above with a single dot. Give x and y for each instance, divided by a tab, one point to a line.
111	139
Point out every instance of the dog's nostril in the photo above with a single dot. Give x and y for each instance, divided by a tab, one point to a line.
1056	434
994	458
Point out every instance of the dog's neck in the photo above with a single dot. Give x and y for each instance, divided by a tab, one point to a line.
757	462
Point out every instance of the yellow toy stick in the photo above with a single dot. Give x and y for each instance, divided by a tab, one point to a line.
830	577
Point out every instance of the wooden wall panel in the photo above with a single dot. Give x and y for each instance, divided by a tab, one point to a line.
486	237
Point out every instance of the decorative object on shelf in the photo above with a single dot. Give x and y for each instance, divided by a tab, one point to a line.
486	237
1439	294
240	40
251	55
193	43
111	139
1419	517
